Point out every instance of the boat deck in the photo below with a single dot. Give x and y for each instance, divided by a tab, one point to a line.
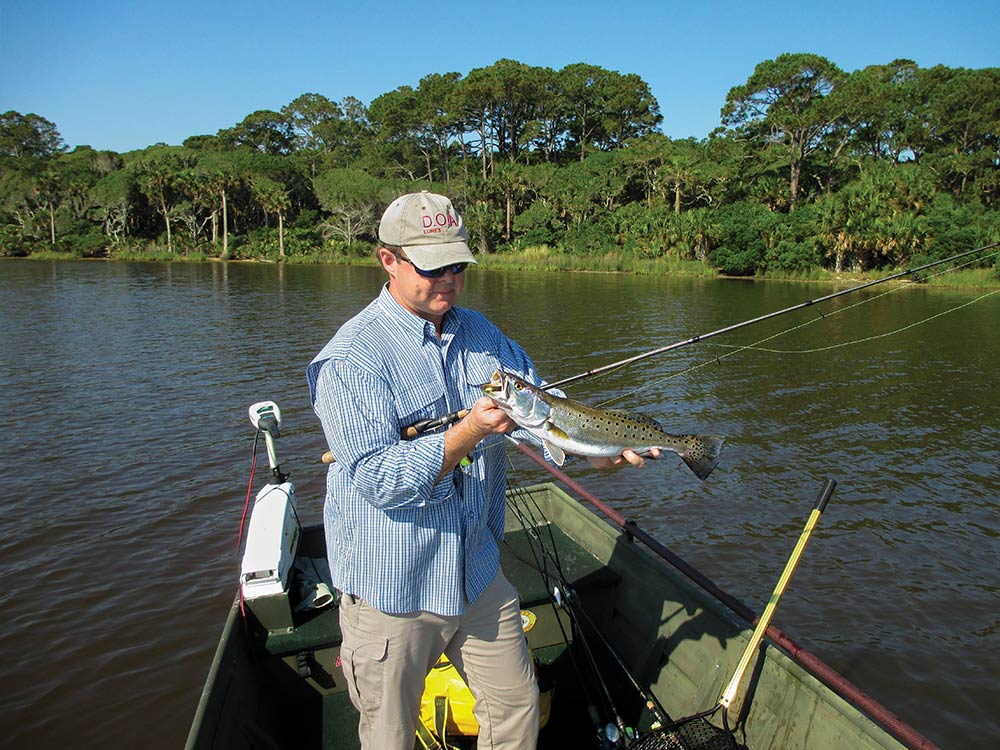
306	682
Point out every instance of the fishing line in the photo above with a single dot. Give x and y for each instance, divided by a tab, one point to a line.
575	610
541	560
767	316
518	504
526	509
521	502
755	346
866	338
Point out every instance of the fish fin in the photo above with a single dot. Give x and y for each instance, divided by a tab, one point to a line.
702	455
556	453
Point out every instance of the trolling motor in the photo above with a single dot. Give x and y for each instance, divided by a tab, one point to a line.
273	534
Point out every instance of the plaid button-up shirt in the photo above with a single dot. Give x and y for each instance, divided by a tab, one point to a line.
396	537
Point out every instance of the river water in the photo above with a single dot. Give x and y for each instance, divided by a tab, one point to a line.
127	449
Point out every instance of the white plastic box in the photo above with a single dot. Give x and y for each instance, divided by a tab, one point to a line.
269	555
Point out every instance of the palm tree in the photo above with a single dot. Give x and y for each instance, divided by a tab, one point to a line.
273	198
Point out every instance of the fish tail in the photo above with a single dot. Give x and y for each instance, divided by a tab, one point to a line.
702	454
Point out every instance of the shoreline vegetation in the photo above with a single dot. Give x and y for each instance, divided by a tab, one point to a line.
814	173
547	259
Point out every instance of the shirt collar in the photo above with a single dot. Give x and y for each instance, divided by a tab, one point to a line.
414	324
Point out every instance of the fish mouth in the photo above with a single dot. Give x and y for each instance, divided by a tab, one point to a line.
496	386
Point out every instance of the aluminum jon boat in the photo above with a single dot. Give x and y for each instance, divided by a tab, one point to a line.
632	645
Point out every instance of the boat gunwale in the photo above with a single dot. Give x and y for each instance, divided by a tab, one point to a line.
214	670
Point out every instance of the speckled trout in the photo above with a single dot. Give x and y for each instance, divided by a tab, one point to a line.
568	426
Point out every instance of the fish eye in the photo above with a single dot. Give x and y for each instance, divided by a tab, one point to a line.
518	386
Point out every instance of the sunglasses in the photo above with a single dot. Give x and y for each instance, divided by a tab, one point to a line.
434	273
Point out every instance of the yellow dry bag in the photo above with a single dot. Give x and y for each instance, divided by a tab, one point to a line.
446	706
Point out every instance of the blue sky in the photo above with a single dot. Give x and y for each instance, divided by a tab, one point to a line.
123	75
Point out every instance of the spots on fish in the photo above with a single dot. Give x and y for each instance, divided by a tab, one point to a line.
623	424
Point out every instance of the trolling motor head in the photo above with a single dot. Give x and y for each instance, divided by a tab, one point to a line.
272	537
266	417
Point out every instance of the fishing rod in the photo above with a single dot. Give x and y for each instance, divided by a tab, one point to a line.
760	319
428	425
564	597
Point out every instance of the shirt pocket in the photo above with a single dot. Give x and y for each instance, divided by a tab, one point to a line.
479	368
416	402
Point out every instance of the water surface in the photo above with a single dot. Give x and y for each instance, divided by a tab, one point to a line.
127	454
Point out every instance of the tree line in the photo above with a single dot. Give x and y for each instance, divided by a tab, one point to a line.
811	166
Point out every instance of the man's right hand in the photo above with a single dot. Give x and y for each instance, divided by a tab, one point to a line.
484	418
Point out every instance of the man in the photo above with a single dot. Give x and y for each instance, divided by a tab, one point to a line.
412	526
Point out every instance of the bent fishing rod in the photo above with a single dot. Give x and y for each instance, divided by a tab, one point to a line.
427	425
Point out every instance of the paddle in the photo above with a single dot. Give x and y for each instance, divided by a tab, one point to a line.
765	620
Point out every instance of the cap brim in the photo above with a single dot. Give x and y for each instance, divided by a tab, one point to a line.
429	257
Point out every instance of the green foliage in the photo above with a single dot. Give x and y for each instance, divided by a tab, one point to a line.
956	226
792	250
537	225
743	233
90	243
13	243
787	104
814	169
265	243
789	258
587	239
28	136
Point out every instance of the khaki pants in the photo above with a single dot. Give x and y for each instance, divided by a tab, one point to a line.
387	657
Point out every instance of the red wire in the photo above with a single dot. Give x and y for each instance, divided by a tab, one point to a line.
243	519
246	503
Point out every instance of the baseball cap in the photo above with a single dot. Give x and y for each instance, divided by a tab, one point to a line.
428	228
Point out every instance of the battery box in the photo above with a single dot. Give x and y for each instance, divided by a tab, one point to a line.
269	556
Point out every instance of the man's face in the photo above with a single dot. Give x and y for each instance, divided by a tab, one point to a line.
427	298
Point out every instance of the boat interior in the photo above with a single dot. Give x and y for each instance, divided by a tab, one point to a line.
623	642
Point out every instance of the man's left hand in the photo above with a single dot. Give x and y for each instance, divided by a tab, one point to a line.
628	456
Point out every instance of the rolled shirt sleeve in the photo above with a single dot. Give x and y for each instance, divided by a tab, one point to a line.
364	435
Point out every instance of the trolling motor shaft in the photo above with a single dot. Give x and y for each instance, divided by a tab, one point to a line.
266	417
